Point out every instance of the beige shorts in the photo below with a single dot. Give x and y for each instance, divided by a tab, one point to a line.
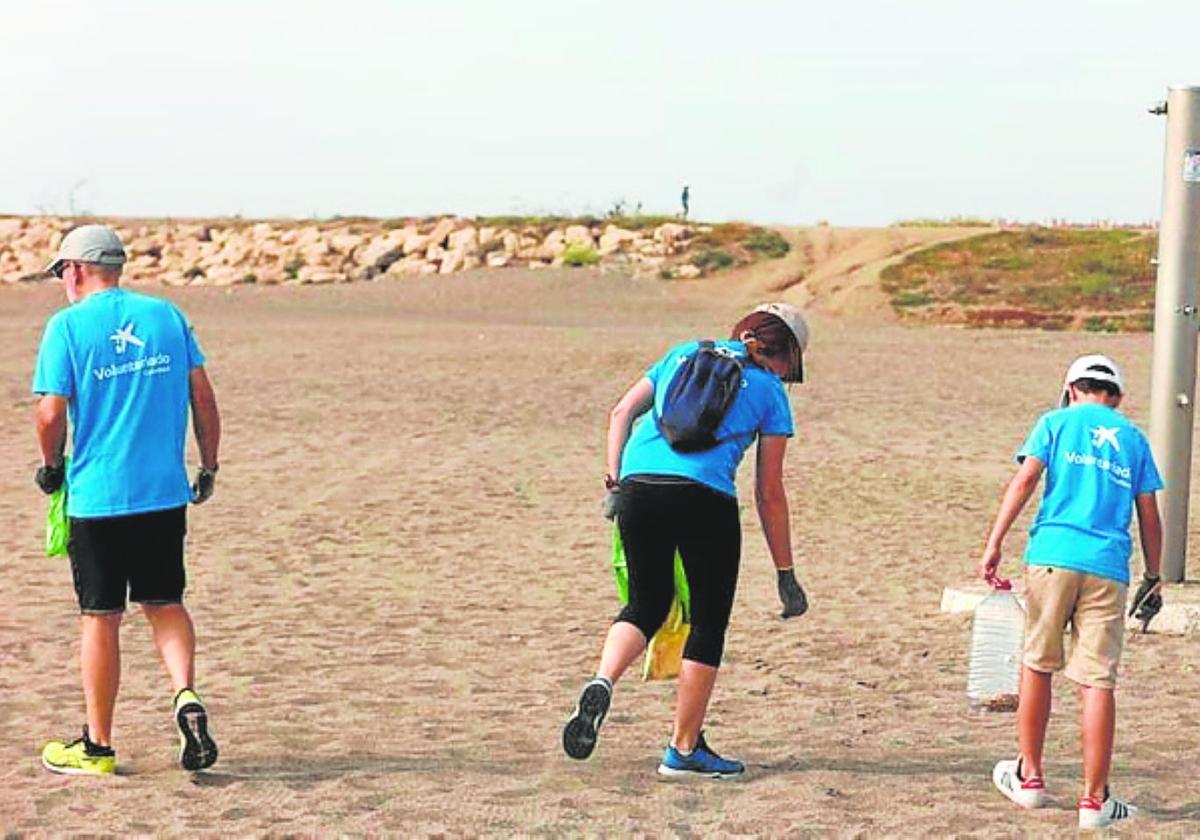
1094	608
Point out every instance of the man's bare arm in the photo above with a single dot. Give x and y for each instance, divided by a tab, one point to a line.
206	418
51	422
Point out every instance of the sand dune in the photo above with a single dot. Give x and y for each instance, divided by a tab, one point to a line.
402	578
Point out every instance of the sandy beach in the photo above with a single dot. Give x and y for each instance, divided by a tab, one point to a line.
402	579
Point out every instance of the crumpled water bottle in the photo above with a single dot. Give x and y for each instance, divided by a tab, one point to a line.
997	641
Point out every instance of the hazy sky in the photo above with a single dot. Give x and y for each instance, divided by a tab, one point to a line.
847	110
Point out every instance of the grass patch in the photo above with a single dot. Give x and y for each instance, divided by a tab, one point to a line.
713	259
639	221
1048	278
912	299
767	243
577	255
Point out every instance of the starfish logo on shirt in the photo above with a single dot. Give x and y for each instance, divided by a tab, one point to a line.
123	337
1102	436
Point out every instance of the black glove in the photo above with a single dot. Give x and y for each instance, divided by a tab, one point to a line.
1146	602
202	488
791	594
610	506
50	479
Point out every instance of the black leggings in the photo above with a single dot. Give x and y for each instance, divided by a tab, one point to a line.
657	519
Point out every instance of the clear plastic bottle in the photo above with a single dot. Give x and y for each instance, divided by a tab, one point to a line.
997	639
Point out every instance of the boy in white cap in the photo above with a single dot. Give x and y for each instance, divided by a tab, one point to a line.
1099	468
123	369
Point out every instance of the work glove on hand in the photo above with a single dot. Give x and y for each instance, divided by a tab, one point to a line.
203	486
1147	602
610	505
50	478
791	595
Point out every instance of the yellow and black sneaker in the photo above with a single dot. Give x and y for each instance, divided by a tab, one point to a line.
197	749
79	757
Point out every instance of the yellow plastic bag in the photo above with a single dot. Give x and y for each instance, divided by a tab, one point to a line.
664	654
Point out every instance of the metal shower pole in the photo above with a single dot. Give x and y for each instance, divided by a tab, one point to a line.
1173	379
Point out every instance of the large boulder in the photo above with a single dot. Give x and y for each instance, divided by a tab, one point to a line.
345	243
453	261
318	275
671	237
465	239
316	253
579	235
225	275
407	267
442	230
613	238
553	246
380	252
414	242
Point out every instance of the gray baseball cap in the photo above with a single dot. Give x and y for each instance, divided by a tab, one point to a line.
90	244
791	316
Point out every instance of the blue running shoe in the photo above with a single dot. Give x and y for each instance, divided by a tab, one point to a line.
579	735
700	763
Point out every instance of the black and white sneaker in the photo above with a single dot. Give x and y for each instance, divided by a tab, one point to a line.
1094	814
579	735
197	750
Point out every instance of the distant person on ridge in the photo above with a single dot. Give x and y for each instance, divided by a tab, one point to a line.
683	198
1098	469
124	368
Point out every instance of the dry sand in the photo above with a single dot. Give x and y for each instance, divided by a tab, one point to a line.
402	580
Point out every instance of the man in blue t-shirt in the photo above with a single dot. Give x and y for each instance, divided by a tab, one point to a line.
1098	469
122	369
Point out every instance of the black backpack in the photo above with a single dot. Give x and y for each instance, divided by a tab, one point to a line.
699	396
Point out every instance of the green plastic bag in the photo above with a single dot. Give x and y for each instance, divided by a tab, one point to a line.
664	653
621	573
58	527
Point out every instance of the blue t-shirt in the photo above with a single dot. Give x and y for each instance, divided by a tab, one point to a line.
122	360
1097	463
761	407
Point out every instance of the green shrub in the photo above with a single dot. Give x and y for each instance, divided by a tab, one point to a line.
292	267
768	243
578	255
713	258
1097	285
1100	323
912	299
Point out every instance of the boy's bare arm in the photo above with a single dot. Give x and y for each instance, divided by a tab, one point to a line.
1150	530
1019	489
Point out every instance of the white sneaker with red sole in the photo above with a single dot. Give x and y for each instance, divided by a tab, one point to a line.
1028	793
1094	814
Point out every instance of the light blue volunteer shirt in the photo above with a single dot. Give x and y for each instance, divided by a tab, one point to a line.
122	360
760	408
1097	463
